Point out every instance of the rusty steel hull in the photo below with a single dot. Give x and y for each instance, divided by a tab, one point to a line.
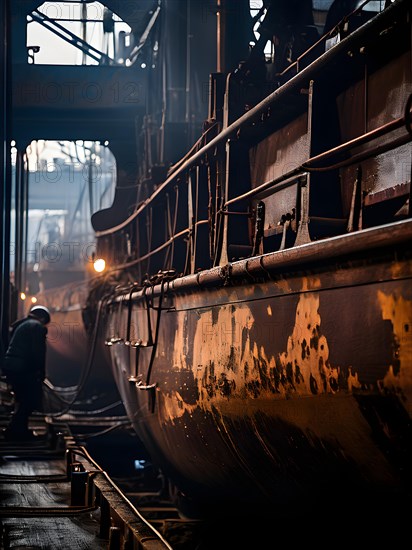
258	301
270	389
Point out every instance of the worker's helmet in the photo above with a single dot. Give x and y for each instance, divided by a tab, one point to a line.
41	313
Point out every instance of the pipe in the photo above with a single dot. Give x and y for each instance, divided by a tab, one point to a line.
220	36
296	82
355	142
394	234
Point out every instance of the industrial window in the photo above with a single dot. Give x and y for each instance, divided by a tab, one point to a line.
77	33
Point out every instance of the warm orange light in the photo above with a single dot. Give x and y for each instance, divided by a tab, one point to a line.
22	296
99	265
33	299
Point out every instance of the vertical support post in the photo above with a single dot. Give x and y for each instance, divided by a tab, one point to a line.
236	238
303	236
223	255
78	488
25	207
69	461
104	518
202	204
21	228
114	538
5	164
191	198
90	496
18	204
220	36
355	215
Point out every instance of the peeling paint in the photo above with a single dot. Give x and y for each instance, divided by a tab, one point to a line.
235	366
224	342
315	372
398	310
352	380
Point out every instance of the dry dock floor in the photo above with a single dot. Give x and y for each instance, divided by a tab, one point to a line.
53	495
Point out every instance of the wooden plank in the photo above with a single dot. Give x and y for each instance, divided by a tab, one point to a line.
54	533
32	467
35	494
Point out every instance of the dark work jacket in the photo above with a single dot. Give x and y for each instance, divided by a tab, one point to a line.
25	358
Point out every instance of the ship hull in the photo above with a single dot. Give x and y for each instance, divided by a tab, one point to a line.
76	363
276	369
265	389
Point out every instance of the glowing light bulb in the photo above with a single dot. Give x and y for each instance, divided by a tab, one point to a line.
99	265
22	296
33	299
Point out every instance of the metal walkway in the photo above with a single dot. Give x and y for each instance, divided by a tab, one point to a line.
53	495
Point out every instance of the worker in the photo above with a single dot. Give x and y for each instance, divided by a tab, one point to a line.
24	366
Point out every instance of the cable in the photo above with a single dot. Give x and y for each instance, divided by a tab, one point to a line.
72	389
60	389
96	411
89	363
105	431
